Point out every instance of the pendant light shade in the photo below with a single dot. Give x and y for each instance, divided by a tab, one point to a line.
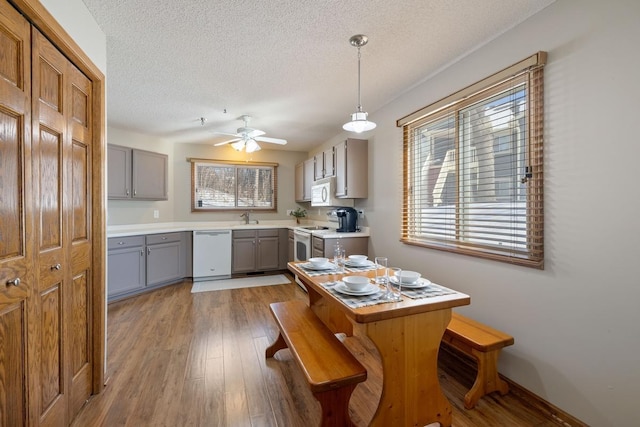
359	122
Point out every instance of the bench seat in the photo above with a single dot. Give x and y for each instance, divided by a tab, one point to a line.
328	366
483	343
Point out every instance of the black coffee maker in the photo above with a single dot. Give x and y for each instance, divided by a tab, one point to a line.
347	220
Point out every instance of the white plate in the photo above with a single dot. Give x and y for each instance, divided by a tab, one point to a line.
367	263
327	266
369	290
420	283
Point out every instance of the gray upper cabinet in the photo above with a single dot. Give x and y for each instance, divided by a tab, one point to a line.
299	183
137	174
323	164
303	180
119	172
351	169
150	175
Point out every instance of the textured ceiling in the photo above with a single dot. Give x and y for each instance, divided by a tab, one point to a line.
287	63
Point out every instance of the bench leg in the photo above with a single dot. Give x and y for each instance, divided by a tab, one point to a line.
278	344
487	380
335	406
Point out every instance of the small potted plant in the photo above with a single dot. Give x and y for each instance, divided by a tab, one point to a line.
298	213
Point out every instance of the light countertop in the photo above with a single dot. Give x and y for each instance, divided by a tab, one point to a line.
170	227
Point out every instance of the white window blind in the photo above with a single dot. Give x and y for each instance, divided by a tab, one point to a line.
473	175
222	185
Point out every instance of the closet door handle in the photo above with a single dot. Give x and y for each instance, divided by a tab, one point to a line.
14	282
56	267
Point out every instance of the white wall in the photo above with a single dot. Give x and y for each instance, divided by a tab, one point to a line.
74	16
576	322
178	207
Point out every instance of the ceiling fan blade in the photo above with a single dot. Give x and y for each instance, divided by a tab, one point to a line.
271	140
226	142
237	135
254	133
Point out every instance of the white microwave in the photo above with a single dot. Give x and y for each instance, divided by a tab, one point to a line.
323	193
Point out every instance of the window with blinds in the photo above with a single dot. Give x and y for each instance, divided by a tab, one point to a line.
473	169
219	185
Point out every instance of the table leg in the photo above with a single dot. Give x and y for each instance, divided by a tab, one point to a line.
408	347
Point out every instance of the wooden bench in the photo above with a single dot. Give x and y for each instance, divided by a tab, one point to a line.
330	369
483	343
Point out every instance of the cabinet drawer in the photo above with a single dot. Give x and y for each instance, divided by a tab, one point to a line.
244	234
318	243
153	239
125	242
270	232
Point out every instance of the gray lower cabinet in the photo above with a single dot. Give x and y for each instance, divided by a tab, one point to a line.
292	249
352	245
126	265
255	250
138	263
165	258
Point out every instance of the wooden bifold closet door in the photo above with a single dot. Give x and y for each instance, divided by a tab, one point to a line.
46	351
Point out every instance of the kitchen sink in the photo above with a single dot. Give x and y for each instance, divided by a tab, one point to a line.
314	227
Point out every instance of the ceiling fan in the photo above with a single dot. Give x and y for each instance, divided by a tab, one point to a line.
248	138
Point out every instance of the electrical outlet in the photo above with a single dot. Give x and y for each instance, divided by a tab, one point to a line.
289	211
156	213
360	214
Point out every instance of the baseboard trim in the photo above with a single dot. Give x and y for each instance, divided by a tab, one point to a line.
555	414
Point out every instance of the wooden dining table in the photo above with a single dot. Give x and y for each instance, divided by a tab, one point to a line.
407	335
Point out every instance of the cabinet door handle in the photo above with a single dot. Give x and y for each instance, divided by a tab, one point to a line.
141	252
164	238
148	251
127	192
135	192
14	282
121	243
56	267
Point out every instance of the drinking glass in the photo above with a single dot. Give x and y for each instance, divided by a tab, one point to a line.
394	291
340	257
381	263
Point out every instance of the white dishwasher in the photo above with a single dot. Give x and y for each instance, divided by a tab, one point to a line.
211	254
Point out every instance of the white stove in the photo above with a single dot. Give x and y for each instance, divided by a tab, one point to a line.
302	241
302	246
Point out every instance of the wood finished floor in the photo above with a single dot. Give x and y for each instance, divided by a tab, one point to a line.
182	359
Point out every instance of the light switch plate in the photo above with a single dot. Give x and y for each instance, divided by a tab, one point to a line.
156	213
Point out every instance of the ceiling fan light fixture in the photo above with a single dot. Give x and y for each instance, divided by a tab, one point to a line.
252	146
238	145
359	122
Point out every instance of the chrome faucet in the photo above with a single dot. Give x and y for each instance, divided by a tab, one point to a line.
246	217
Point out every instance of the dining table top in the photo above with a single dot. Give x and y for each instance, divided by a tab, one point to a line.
322	284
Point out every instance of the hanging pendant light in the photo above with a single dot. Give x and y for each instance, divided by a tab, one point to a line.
359	122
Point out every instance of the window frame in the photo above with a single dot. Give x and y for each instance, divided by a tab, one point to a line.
455	229
236	165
